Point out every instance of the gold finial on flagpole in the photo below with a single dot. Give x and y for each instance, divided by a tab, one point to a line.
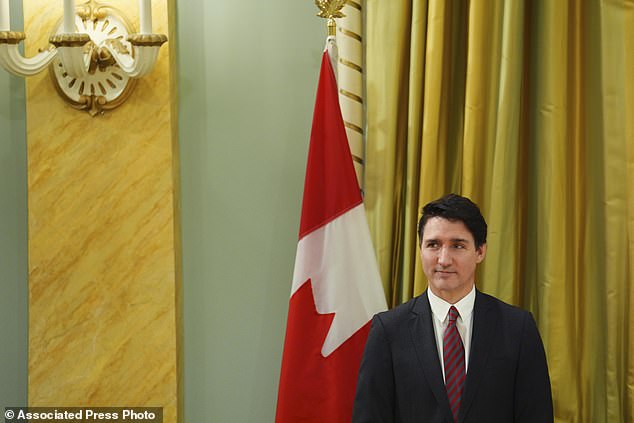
330	9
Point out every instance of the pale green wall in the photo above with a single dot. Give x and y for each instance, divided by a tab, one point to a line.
13	237
248	74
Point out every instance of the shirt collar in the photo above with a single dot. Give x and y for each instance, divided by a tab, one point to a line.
440	307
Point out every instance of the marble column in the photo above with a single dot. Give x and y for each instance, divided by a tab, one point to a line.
104	242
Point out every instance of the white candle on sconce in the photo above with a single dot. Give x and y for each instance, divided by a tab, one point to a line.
5	16
145	15
69	16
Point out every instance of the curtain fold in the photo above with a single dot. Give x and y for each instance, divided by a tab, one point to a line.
389	123
527	108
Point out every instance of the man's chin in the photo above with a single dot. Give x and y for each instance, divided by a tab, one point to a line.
447	284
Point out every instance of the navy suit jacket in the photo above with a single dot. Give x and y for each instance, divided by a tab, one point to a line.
400	379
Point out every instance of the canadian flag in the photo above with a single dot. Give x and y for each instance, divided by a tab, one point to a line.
336	284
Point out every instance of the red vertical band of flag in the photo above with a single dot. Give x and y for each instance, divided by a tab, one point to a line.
336	287
331	187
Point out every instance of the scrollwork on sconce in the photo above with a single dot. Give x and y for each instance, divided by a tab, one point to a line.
95	83
94	68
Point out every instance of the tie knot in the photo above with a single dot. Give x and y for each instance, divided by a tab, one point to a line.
453	315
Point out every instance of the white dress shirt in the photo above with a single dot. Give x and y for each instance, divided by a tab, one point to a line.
440	311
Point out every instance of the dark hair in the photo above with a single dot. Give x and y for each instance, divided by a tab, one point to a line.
456	208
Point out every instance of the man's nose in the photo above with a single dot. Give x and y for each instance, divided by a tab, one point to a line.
444	257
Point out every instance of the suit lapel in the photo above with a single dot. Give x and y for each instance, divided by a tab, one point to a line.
424	339
484	325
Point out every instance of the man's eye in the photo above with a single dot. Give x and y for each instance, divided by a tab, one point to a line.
431	245
459	246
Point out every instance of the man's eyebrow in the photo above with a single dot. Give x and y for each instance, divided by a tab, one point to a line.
452	240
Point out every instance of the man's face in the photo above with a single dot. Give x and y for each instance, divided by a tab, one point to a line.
449	258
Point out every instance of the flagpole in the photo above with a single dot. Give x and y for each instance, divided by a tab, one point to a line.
329	10
345	48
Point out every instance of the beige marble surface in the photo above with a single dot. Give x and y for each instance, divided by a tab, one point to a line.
104	260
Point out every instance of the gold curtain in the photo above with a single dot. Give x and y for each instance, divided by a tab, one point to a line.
527	107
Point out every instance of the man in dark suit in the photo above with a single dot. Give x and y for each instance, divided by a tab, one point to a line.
453	354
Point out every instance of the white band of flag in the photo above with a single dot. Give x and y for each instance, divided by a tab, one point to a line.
339	259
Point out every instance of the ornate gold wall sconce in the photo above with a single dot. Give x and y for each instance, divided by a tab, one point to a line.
93	58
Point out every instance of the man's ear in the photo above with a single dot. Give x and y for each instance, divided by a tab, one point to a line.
481	251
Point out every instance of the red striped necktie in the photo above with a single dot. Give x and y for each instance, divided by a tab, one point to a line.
453	357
